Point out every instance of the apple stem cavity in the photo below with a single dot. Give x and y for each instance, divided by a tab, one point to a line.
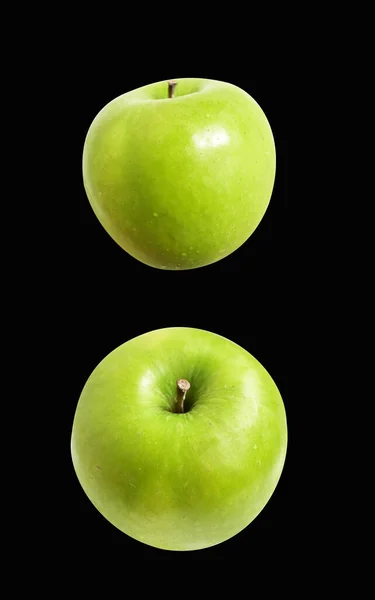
182	387
171	87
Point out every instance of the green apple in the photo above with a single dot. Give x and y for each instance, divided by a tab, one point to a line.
179	438
180	173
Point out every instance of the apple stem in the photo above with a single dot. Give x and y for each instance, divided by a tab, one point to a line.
171	87
182	387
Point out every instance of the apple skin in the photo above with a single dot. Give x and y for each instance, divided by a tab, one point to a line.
179	481
181	182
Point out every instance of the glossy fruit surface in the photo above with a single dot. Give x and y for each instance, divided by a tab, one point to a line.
180	182
179	481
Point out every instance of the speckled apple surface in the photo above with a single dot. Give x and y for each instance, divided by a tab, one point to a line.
180	182
179	481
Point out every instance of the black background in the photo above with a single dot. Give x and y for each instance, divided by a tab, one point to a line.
107	297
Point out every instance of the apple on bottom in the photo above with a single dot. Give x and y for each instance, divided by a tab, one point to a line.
179	438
